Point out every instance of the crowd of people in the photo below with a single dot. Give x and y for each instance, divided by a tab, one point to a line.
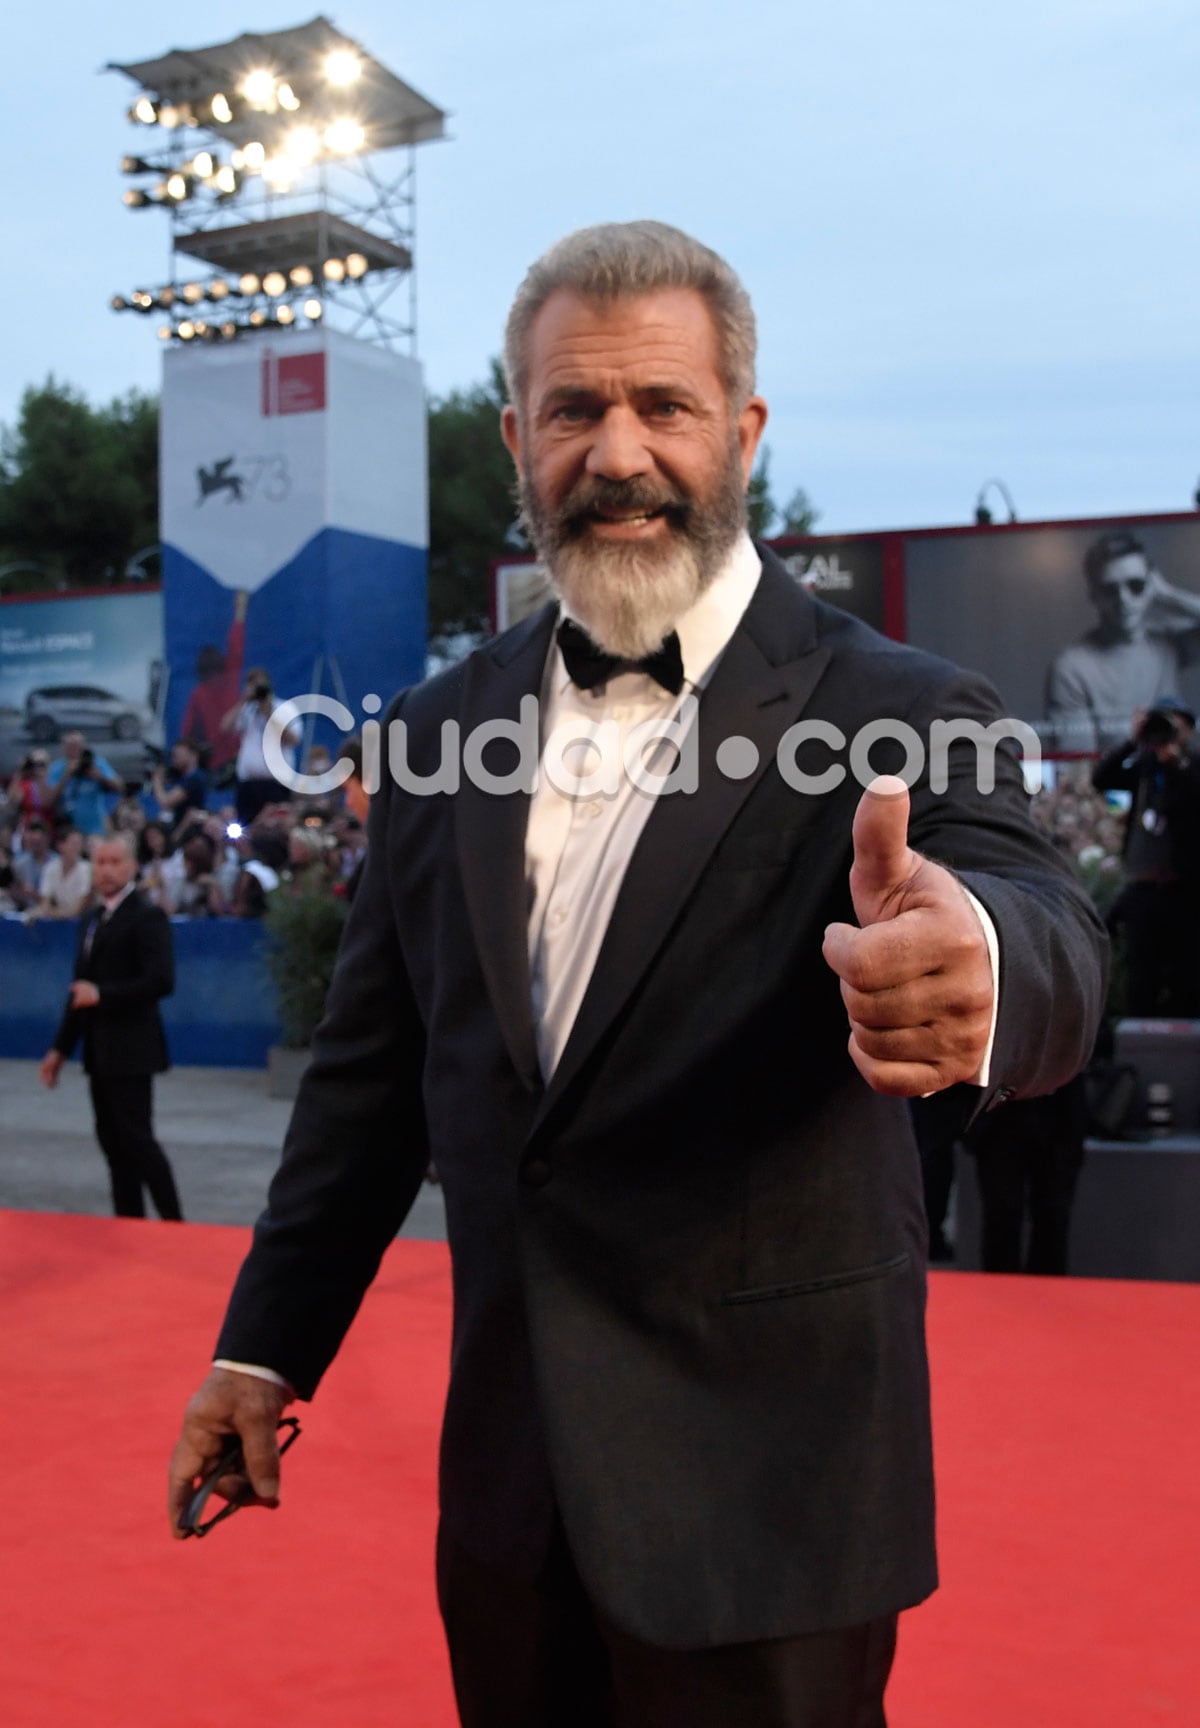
200	852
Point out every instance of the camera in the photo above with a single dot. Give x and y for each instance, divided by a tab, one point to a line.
87	761
1159	727
260	691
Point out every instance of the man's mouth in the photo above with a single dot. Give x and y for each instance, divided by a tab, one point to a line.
628	518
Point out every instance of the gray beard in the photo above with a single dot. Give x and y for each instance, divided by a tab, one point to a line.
629	596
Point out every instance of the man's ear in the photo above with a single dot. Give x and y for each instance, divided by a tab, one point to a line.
751	421
510	431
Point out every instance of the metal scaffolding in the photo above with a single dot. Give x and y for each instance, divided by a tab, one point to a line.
286	163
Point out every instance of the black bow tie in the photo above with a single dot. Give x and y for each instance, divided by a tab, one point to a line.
590	666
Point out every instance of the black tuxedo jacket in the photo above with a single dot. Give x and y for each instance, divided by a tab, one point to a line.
130	959
689	1272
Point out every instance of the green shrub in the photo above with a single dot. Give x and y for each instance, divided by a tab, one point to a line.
303	930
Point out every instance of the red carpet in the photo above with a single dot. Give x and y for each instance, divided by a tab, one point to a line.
1067	1422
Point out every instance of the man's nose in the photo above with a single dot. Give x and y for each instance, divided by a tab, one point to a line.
618	449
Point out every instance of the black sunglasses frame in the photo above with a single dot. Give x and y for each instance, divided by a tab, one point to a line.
230	1462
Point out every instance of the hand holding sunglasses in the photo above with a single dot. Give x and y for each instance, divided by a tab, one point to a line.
230	1461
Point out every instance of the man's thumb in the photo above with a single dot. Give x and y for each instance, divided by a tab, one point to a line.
882	861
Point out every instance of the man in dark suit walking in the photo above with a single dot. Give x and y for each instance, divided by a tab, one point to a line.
637	966
124	965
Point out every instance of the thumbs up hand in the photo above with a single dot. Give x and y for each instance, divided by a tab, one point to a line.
916	977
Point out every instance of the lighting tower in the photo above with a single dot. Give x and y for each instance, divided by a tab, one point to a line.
286	163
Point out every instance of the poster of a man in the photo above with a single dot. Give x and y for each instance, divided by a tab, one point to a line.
1146	631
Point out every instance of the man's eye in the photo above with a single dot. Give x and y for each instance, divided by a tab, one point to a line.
667	410
571	412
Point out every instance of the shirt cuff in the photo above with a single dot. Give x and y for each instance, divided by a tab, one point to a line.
982	1074
255	1371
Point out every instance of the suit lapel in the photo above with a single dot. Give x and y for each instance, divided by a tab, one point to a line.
490	832
763	682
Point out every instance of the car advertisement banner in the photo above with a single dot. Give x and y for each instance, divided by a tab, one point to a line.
87	663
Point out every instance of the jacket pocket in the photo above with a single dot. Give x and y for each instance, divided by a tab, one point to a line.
810	1286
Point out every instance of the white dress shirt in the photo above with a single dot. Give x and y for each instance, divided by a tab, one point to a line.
581	836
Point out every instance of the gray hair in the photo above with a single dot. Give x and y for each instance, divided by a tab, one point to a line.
616	260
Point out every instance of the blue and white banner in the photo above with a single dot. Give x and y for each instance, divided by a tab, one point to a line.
294	522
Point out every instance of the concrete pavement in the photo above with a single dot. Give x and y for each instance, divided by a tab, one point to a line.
218	1127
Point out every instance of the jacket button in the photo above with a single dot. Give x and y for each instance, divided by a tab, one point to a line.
535	1173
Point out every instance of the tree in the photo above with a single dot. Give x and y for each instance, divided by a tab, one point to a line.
79	485
472	505
765	516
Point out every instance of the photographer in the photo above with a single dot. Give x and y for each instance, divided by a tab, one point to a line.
256	786
1159	906
180	789
78	783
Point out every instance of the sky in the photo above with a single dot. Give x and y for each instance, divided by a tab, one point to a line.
970	234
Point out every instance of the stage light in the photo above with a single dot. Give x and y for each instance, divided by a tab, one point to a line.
301	276
274	283
201	328
144	111
119	303
285	315
251	156
142	301
137	165
342	67
178	187
192	292
229	331
166	298
333	270
159	194
225	181
259	89
218	288
258	317
204	165
344	137
287	98
279	175
170	116
187	330
220	109
249	283
165	332
135	198
356	265
313	309
303	144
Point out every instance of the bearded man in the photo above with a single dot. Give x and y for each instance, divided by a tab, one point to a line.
657	1033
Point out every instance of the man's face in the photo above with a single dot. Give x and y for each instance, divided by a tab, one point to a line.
633	467
1122	596
37	841
72	745
183	760
112	867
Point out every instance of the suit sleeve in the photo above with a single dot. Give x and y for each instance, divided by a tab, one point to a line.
354	1155
1053	947
70	1027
